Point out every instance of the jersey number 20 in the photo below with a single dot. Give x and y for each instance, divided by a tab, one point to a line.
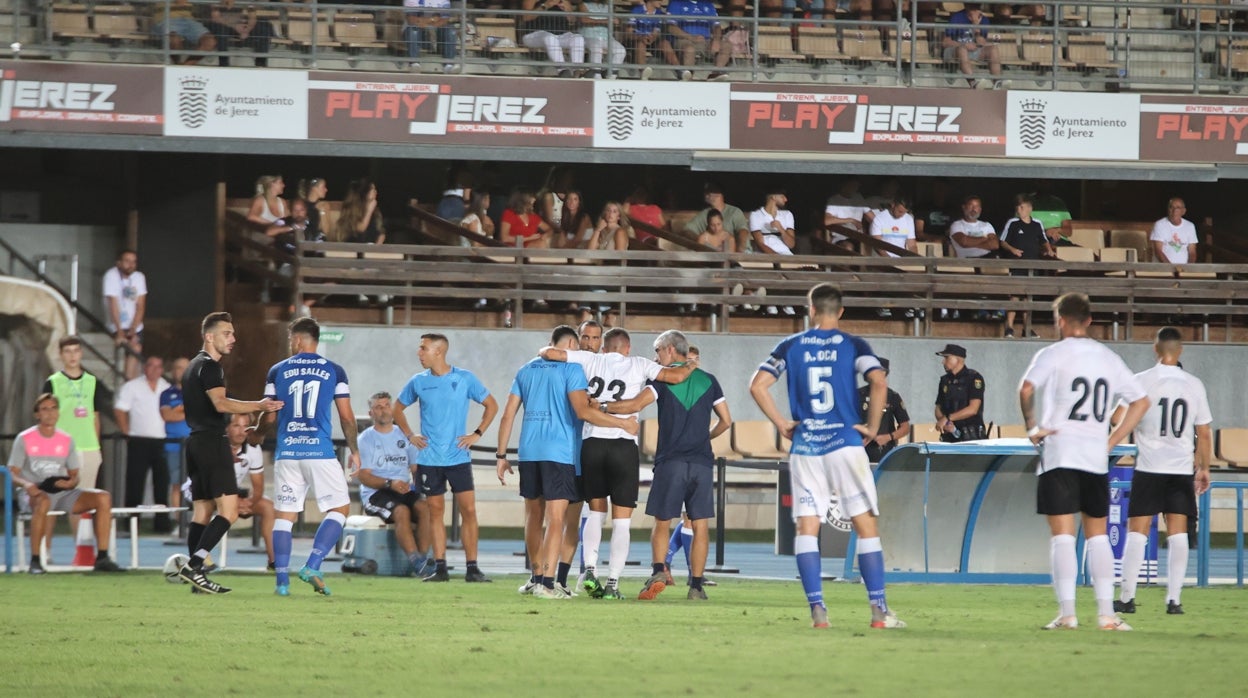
299	391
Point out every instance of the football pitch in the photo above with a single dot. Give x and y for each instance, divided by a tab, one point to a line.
135	634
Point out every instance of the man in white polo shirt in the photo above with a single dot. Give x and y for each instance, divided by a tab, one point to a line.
125	299
970	236
138	417
1174	237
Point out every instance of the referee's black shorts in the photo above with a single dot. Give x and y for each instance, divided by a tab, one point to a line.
1068	491
1156	493
210	465
611	468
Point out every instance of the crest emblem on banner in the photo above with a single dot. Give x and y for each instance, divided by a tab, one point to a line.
1032	124
193	101
620	114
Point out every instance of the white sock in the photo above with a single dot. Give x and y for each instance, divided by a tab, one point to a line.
1064	568
1176	565
1101	567
1132	560
621	538
591	537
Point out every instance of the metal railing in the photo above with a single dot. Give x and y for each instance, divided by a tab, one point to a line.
1203	545
1097	45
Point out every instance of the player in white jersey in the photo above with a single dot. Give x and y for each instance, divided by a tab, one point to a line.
1166	479
610	460
1078	380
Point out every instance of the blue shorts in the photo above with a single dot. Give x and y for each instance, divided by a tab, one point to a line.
173	461
544	479
681	482
189	29
435	478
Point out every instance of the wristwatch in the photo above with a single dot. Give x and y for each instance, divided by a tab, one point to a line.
477	432
602	407
388	483
501	456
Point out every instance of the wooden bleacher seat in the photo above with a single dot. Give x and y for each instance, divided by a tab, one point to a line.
924	249
118	23
299	30
1237	61
863	45
1118	255
756	439
1232	446
71	22
1074	254
1089	51
819	44
1091	238
492	31
1136	239
922	50
356	31
1037	51
776	44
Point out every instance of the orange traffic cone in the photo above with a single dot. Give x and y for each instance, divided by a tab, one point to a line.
84	555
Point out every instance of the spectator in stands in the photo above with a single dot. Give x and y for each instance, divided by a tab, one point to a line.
933	217
638	209
735	221
313	192
477	219
249	476
967	45
1174	237
550	198
969	235
284	231
521	225
125	299
737	32
232	25
645	34
597	32
771	227
884	196
612	231
267	205
454	202
1022	238
551	29
803	8
574	223
715	236
361	221
695	36
183	29
895	226
173	412
429	22
845	208
137	411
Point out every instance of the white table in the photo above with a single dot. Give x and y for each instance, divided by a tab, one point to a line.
133	512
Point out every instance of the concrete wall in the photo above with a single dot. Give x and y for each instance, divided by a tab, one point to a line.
96	247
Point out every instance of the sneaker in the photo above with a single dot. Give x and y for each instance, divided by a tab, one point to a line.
528	588
1112	623
1002	84
1009	333
567	590
1032	334
819	616
883	312
647	72
888	621
909	313
983	84
565	73
717	76
553	593
1124	606
708	582
667	574
425	566
477	576
696	595
449	67
200	582
481	303
313	577
1173	608
438	576
654	586
612	591
772	310
685	75
282	590
788	310
1063	623
106	564
592	586
36	568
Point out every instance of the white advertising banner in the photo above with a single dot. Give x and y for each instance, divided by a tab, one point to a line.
236	103
1077	125
659	116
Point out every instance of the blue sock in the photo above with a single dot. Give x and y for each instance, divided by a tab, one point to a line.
871	565
809	568
327	535
676	542
281	550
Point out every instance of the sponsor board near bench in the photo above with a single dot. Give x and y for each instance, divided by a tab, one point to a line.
1193	129
80	98
236	103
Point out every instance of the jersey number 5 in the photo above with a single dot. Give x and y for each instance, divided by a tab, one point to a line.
299	391
822	398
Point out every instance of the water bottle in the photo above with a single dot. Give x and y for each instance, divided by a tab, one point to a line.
506	317
956	433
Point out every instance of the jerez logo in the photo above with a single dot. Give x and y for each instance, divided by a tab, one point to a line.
620	114
193	101
1031	124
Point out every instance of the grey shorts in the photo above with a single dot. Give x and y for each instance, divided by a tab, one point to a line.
976	55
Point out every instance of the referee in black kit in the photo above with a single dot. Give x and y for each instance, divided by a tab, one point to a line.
209	461
959	399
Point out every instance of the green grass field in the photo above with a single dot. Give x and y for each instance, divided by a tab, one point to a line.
135	634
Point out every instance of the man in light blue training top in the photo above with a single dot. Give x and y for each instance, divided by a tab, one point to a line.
555	399
827	455
311	387
444	392
387	463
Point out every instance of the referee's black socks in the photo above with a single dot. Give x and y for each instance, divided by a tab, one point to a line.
213	533
562	573
194	533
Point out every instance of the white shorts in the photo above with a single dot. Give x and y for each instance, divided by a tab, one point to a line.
293	477
842	476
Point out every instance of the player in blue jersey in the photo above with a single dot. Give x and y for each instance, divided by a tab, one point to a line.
827	455
556	400
444	392
311	386
387	491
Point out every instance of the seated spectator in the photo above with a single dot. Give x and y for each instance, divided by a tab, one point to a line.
551	30
638	208
735	221
771	227
845	208
249	474
454	202
1022	237
969	236
692	37
895	226
185	32
597	32
1174	237
44	465
313	192
716	236
645	34
284	231
429	23
968	46
612	231
574	223
267	206
521	225
360	220
237	26
886	191
477	219
550	198
737	32
803	8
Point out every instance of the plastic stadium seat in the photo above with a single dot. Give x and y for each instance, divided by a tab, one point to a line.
118	22
1137	239
1118	255
71	22
721	446
497	36
776	43
357	31
819	43
756	439
1232	446
299	29
863	45
1091	238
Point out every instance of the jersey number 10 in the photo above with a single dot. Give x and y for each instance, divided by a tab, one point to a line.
299	391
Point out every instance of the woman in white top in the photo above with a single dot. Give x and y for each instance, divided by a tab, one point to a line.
476	219
267	206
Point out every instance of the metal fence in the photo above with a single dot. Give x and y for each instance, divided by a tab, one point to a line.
1104	45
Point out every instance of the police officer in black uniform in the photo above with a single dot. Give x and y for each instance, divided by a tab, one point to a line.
959	399
895	423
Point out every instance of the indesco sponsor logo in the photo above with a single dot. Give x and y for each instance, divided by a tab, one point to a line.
49	95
